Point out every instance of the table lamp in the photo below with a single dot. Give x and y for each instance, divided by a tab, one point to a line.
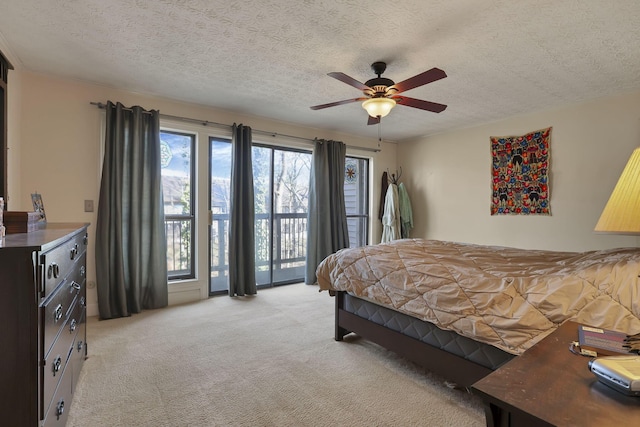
621	215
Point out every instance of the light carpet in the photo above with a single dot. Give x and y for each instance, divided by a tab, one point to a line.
267	360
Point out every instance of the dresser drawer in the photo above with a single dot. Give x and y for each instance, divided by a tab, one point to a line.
58	412
64	352
78	352
54	366
76	317
57	263
57	308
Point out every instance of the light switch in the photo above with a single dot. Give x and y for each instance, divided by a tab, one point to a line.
88	205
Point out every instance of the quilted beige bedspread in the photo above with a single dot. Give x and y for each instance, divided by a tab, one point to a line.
506	297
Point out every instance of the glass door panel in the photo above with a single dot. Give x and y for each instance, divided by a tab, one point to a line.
290	207
262	194
219	202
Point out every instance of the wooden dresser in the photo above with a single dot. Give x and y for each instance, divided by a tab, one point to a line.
43	323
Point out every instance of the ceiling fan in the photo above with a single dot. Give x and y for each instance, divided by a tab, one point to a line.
381	94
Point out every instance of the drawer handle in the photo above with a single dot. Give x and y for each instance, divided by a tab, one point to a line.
82	271
80	346
75	285
72	326
56	365
74	251
85	239
53	271
59	409
57	313
82	304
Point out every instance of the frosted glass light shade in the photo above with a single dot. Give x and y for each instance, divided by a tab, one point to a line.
621	215
378	107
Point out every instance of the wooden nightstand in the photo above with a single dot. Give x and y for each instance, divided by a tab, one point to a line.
549	385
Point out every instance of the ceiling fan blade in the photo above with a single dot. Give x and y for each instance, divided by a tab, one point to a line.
421	79
373	120
333	104
350	81
419	103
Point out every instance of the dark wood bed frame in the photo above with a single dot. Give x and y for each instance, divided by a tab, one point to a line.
450	366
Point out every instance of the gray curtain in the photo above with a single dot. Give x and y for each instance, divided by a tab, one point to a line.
242	264
327	220
131	246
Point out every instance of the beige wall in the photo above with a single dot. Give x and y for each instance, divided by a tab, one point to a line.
57	137
448	178
55	148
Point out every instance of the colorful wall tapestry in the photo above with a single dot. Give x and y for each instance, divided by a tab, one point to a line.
520	169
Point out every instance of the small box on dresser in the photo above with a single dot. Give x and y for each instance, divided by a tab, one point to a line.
43	318
22	222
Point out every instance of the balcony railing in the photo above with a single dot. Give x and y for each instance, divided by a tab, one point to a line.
179	248
289	249
288	240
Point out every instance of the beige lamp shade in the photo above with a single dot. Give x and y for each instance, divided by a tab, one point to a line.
621	215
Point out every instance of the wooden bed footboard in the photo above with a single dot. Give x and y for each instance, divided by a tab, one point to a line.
450	366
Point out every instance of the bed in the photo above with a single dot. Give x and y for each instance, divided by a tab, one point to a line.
462	310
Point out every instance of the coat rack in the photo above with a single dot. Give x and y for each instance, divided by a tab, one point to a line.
395	177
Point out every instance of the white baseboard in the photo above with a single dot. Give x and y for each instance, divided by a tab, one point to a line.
179	293
92	310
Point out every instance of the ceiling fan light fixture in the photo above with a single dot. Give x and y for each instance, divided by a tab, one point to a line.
378	107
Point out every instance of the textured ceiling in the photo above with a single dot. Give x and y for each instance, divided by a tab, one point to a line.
270	58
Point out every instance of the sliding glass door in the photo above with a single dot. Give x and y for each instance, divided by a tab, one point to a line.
290	196
281	187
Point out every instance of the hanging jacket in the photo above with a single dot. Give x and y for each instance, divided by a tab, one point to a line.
406	215
391	218
384	186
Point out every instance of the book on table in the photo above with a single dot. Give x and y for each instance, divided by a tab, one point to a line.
603	342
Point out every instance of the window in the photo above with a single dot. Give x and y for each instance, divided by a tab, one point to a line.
356	198
177	157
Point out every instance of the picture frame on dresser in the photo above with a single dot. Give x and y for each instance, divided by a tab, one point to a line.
38	206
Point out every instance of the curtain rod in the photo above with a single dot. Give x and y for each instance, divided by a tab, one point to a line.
102	106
